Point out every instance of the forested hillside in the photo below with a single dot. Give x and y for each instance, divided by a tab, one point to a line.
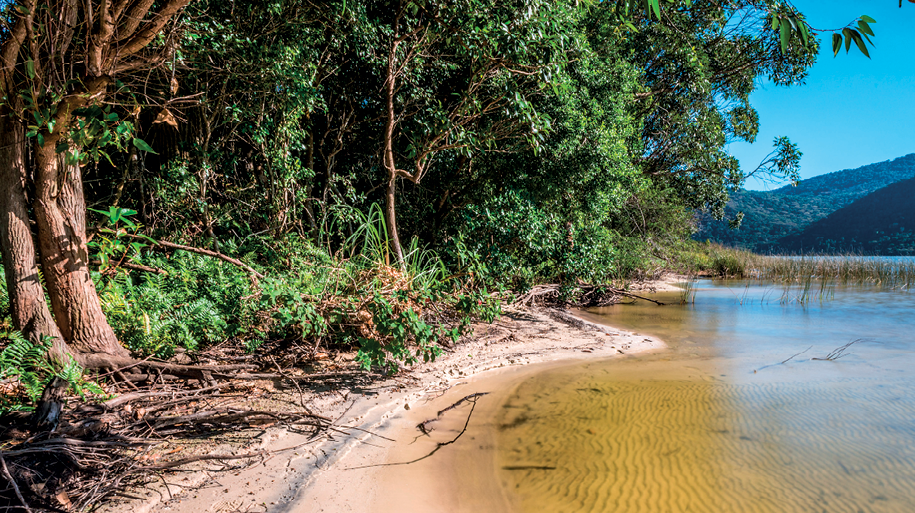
772	215
881	223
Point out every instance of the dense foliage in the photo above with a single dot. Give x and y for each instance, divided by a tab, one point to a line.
365	172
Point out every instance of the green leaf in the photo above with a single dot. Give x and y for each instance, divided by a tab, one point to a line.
862	26
836	44
805	35
867	19
783	34
30	68
656	7
140	144
848	38
860	43
40	139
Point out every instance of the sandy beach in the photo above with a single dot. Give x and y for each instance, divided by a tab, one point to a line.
344	471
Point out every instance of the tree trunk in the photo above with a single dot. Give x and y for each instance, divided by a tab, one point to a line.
60	210
390	219
27	301
390	207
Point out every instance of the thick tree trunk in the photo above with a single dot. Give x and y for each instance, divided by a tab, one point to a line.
27	300
60	210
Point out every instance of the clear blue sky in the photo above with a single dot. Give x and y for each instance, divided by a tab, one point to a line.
852	110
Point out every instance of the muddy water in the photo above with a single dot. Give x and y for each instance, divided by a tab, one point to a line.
718	423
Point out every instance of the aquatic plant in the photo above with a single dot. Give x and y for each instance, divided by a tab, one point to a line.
688	294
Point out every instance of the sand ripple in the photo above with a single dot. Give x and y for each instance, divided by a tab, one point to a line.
574	442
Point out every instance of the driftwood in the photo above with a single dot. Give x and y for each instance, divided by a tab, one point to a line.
424	428
839	352
590	295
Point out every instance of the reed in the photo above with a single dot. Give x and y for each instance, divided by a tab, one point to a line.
829	271
688	294
825	271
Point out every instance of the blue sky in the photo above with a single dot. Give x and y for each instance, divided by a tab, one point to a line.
852	110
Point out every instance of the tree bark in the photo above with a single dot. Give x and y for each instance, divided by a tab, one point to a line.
390	219
390	208
29	309
60	210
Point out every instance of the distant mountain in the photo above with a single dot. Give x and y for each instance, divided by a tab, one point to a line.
770	216
881	223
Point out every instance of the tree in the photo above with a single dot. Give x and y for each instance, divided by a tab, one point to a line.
702	61
456	80
61	60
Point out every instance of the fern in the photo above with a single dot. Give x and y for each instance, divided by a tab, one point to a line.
23	363
24	368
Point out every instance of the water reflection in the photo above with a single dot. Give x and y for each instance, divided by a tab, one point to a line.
720	423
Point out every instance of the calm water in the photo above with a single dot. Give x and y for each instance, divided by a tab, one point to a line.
719	423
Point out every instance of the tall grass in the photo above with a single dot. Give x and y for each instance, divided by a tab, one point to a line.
816	273
841	270
688	294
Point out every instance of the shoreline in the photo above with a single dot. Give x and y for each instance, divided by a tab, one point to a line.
301	477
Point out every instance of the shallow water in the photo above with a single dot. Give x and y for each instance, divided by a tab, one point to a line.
722	422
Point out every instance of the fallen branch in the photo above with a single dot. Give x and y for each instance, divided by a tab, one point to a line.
786	360
472	398
592	295
134	267
838	352
618	292
796	354
275	375
201	251
9	477
424	425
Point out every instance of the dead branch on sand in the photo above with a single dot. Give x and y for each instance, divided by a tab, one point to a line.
589	295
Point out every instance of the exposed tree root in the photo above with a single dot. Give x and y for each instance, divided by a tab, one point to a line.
100	449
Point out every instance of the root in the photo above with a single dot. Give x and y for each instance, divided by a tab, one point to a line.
100	450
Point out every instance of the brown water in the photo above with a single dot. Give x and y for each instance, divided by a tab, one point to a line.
718	424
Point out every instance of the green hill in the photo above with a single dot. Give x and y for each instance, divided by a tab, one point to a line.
881	223
771	216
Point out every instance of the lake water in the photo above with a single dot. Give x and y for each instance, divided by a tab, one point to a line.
731	418
722	422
